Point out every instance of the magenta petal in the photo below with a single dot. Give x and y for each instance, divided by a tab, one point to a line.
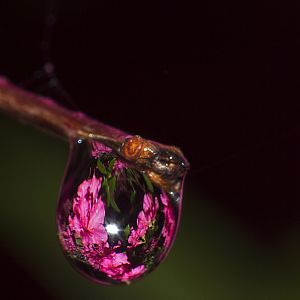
98	235
133	273
82	189
83	211
133	238
94	186
120	258
85	238
156	205
114	264
119	165
89	211
75	224
68	243
147	202
142	221
164	199
98	148
97	214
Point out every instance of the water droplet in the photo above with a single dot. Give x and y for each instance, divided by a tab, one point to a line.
114	224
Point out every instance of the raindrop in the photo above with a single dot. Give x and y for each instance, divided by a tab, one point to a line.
115	222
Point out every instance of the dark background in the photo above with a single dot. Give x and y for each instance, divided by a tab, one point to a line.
219	79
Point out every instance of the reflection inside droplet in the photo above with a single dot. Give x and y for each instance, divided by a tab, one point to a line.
114	224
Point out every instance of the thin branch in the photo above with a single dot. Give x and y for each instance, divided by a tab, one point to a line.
47	114
165	165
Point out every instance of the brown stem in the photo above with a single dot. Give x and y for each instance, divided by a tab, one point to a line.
165	165
51	116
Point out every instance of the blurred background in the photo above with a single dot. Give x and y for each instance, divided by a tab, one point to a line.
218	79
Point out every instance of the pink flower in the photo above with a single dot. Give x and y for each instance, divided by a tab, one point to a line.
150	207
67	241
133	273
98	149
144	220
86	237
116	266
119	165
94	253
134	237
89	212
169	225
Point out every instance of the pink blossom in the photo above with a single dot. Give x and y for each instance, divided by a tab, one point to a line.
94	253
169	225
133	273
86	223
67	241
89	212
98	149
150	207
144	220
119	165
134	237
114	265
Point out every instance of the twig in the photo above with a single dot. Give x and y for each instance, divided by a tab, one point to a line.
165	165
49	115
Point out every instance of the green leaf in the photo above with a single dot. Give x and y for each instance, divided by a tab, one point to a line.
101	167
114	205
130	174
112	184
107	192
111	165
78	242
132	196
127	231
112	181
148	183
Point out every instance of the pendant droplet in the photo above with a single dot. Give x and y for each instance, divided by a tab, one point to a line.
116	222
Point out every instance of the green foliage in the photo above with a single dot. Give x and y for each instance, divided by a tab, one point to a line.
101	167
78	242
109	183
111	165
127	231
148	183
